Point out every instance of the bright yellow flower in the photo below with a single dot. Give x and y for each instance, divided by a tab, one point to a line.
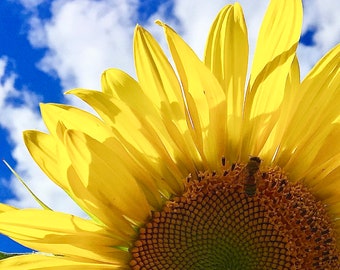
184	171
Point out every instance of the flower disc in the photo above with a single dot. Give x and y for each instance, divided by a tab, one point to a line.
216	224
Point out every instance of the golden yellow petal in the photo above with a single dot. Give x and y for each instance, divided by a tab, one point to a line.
106	108
155	73
43	262
6	207
62	234
119	116
143	134
328	151
205	100
73	118
98	209
160	84
313	117
106	177
52	158
279	35
274	55
226	54
119	84
43	149
271	143
59	168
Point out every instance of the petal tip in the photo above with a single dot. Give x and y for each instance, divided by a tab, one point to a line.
160	23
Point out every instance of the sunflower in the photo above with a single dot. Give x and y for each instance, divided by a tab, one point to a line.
190	169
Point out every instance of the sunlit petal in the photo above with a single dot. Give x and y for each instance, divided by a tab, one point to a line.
54	232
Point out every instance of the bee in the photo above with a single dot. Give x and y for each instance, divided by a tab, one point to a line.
251	169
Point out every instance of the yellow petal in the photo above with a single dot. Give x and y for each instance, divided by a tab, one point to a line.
43	149
116	114
271	143
161	85
315	112
6	207
205	100
226	54
143	134
43	262
73	118
106	177
98	209
105	107
274	55
328	152
279	34
155	73
52	158
62	234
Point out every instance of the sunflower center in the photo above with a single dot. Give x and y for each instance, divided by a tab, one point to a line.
238	220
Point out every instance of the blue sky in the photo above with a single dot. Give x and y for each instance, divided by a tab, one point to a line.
48	47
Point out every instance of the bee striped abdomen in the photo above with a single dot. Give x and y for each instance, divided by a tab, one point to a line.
252	168
250	186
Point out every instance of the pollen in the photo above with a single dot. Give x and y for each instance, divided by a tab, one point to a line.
217	224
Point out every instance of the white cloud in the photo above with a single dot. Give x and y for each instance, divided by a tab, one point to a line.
84	38
31	4
322	16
